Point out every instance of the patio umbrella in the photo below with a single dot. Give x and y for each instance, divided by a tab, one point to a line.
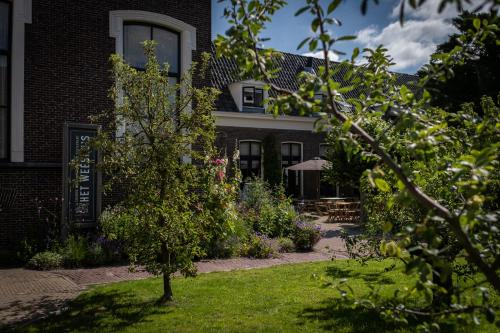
316	164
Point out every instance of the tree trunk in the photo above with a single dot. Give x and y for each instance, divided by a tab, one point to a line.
167	289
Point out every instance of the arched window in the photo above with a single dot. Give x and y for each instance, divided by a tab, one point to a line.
167	46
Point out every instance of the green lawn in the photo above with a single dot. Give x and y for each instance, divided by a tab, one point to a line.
280	299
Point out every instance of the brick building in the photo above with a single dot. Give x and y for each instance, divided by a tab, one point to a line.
55	71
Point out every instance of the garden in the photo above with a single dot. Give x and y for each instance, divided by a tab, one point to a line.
266	224
428	257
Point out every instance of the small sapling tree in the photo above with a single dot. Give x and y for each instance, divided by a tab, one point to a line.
146	149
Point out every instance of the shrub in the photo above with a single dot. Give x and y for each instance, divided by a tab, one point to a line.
268	211
75	251
259	246
285	244
45	261
305	235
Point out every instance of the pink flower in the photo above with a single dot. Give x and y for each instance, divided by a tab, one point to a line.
220	175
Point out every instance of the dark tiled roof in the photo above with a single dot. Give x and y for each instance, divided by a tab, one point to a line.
224	71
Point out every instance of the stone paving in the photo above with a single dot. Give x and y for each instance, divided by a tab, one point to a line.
27	295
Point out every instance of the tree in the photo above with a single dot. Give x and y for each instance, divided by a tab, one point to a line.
476	76
145	149
424	135
346	166
272	165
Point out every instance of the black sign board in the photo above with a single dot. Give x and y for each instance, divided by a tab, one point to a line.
81	184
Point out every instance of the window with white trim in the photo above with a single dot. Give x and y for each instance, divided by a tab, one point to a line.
250	159
5	55
167	48
291	154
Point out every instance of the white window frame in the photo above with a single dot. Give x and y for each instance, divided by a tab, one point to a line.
21	15
301	160
187	32
261	154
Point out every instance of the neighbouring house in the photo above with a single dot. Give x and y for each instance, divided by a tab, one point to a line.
243	123
55	73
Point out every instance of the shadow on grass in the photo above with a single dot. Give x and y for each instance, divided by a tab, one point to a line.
332	315
109	311
371	277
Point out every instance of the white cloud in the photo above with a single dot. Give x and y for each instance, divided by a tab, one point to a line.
412	44
319	54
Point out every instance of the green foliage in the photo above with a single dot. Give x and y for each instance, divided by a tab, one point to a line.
346	166
75	251
305	235
258	246
45	261
272	163
477	76
172	206
285	245
432	168
269	212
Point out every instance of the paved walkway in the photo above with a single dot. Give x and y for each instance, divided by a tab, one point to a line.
28	295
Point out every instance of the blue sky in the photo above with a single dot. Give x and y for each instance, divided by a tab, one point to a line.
409	46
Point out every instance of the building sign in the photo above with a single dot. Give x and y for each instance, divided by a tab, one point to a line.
81	183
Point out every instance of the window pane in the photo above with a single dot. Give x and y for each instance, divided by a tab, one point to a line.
259	97
3	132
285	149
255	164
167	49
4	25
133	51
248	98
296	150
244	148
243	164
255	149
4	89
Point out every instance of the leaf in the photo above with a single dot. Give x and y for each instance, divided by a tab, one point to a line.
355	53
477	23
333	5
301	10
303	42
315	24
348	37
364	6
382	185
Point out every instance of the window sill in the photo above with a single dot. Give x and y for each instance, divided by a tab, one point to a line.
250	109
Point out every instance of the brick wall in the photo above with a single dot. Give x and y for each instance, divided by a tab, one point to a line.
67	79
227	137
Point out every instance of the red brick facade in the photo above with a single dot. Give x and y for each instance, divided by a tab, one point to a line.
67	47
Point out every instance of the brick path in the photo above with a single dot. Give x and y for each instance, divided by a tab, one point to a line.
28	295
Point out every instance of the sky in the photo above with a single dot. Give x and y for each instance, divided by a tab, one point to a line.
409	45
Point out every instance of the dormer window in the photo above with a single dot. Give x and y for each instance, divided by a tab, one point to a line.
253	97
320	97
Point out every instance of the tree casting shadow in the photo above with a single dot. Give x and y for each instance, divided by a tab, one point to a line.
110	311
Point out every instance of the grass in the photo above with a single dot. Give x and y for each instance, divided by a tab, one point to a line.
280	299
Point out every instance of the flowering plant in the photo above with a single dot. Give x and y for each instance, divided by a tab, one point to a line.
305	235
